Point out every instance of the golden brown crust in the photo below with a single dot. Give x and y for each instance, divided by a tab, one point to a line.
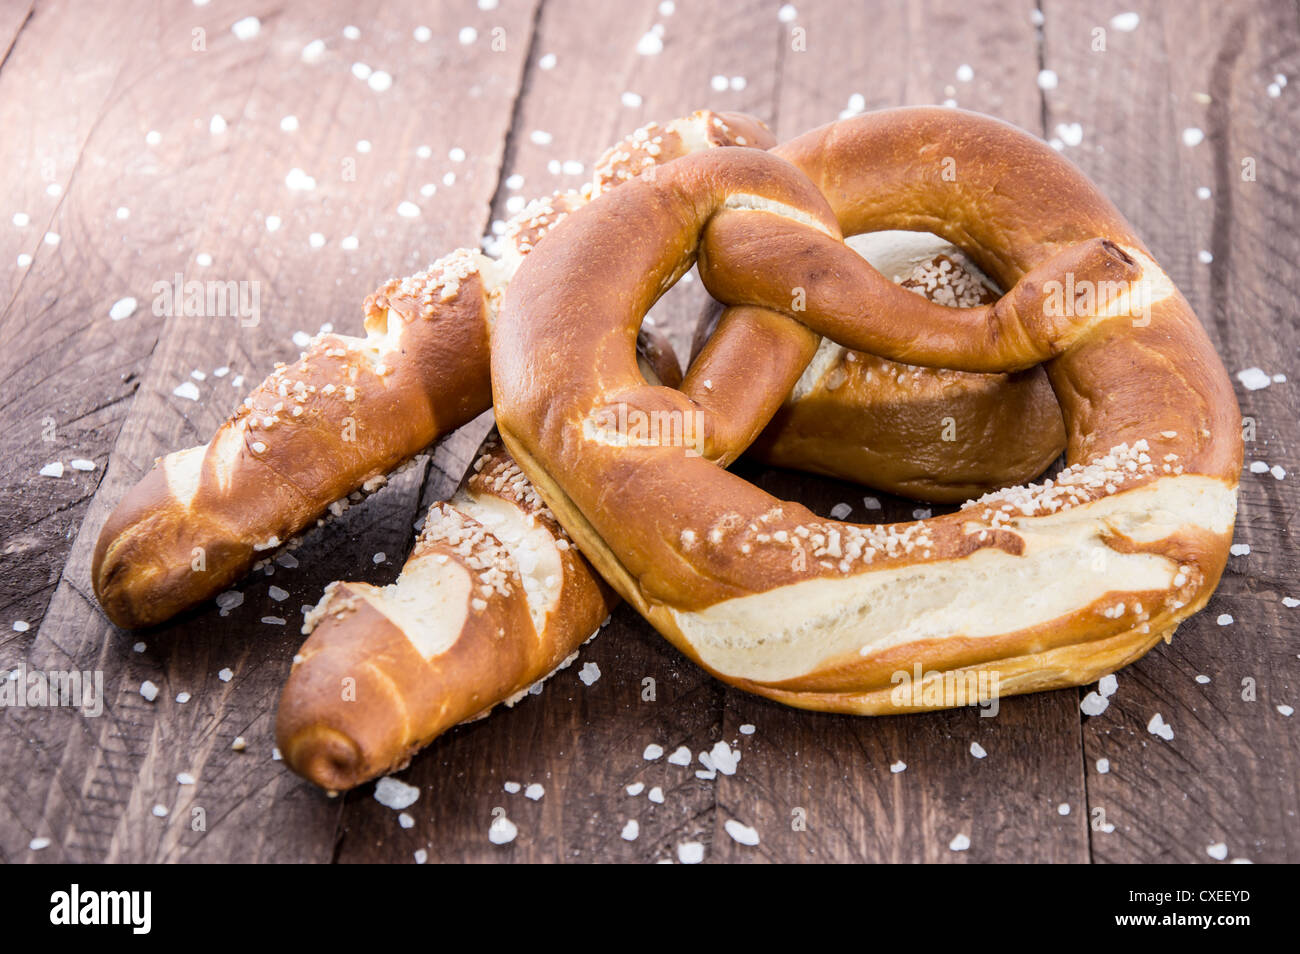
763	593
310	434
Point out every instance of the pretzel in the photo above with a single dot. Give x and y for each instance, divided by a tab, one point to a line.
320	433
492	600
1039	586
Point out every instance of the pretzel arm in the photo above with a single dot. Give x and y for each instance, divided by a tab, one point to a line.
493	598
349	411
338	420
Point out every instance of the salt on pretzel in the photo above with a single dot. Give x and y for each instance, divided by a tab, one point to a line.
320	432
1040	586
492	599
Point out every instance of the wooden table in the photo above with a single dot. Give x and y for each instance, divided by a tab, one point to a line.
114	154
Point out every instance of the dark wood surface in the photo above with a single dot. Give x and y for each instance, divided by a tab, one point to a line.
83	84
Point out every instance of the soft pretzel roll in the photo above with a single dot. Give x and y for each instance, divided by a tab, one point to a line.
927	433
492	599
1044	586
334	422
348	411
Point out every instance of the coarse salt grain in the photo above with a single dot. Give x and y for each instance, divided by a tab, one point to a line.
650	44
247	28
395	794
740	833
1158	726
690	852
502	831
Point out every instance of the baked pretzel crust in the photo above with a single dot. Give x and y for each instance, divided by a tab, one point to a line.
1054	585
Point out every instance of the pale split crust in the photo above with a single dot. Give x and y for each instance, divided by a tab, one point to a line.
387	669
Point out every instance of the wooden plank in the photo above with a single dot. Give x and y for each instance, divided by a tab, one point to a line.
835	770
65	379
584	744
1229	775
93	782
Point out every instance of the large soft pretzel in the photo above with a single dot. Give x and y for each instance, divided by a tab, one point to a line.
319	432
1043	586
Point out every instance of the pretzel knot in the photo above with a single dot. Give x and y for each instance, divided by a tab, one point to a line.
1036	587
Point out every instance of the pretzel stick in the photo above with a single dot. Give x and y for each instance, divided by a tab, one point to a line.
493	598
